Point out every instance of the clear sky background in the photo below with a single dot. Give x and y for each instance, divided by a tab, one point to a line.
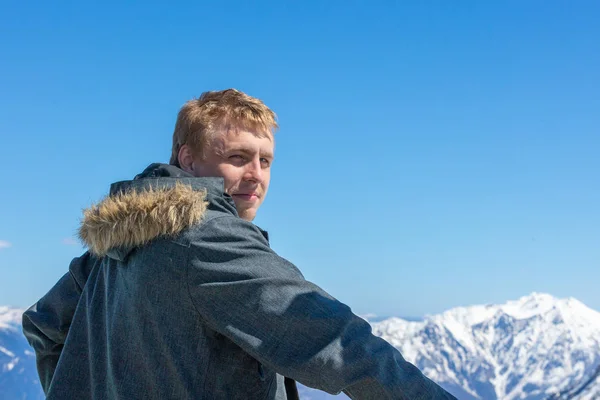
431	154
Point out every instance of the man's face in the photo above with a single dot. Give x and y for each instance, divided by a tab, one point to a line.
244	161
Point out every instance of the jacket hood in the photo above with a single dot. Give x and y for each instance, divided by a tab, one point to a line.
161	201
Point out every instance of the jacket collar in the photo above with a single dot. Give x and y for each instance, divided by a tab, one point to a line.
159	176
163	200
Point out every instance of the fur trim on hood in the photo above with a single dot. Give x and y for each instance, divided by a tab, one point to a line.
131	219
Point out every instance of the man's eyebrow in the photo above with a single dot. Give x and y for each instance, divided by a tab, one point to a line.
268	154
247	150
240	150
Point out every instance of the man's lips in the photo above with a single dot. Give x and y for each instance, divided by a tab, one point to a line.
245	196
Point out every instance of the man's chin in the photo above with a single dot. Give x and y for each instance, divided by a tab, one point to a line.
247	214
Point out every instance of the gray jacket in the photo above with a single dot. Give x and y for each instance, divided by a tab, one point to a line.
179	298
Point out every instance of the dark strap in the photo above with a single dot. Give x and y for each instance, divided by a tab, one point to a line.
291	390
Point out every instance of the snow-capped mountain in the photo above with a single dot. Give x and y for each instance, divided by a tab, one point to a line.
537	347
18	375
531	348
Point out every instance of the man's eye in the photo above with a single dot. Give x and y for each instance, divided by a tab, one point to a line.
264	162
236	157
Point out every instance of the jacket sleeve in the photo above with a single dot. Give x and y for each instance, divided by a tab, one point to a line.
260	301
46	323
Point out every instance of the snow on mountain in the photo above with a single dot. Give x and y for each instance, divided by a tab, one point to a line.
531	348
18	374
588	389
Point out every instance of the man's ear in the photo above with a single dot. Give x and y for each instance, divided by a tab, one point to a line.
186	159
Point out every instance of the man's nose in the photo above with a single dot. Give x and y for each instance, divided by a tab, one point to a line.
254	171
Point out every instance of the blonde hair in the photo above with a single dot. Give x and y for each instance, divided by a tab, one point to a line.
201	119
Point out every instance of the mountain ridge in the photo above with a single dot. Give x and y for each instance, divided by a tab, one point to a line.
508	351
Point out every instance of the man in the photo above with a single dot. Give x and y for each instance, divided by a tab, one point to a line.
181	297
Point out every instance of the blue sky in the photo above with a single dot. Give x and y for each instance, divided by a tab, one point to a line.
431	154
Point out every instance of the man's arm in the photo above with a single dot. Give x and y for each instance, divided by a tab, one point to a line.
46	323
260	301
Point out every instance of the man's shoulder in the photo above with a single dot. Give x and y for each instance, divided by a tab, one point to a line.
223	226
